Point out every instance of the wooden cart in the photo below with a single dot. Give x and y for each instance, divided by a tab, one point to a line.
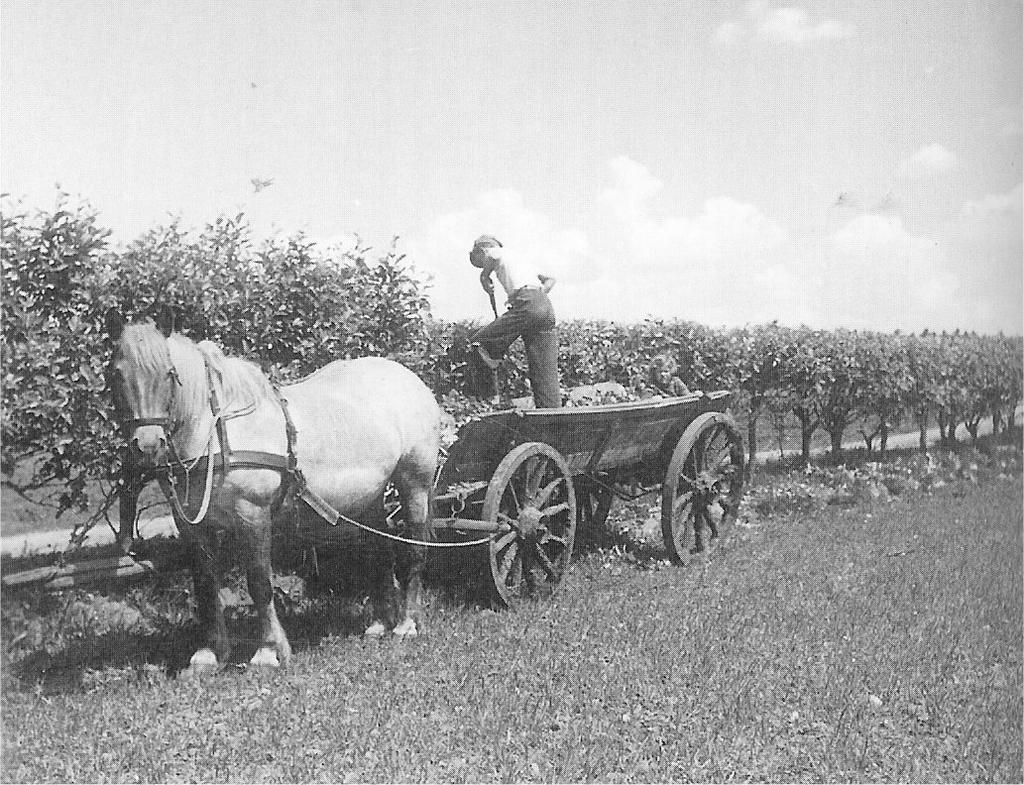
527	478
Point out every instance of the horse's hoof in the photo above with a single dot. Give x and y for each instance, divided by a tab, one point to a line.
203	662
265	657
375	630
407	629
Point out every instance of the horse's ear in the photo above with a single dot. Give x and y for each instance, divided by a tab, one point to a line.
114	322
165	320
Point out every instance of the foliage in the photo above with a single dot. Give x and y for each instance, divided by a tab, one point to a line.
280	302
292	307
53	363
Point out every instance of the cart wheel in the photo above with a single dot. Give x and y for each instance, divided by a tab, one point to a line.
532	501
703	486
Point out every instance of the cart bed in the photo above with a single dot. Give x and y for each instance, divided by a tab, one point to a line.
590	438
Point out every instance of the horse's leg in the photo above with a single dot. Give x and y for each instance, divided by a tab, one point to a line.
411	559
216	645
380	569
274	648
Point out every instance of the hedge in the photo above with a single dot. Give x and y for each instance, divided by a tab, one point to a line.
292	307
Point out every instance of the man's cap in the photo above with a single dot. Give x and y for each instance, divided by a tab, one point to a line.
486	241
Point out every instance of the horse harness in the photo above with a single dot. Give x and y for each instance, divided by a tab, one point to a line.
227	459
293	482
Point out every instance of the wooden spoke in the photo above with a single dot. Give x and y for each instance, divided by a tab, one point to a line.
545	563
506	519
555	509
504	540
529	560
512	563
682	502
549	537
545	493
691	481
534	474
516	504
709	453
526	555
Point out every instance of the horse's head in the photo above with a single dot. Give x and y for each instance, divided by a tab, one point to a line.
144	382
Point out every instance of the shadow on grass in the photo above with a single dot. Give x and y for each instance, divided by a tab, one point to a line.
64	642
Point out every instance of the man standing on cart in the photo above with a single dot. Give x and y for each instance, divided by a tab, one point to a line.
529	316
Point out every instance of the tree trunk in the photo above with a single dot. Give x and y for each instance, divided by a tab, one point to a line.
805	444
883	442
947	428
869	440
922	429
837	444
751	442
807	429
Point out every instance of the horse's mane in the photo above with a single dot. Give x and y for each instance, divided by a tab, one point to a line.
242	384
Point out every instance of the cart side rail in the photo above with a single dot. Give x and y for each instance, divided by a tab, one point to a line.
590	438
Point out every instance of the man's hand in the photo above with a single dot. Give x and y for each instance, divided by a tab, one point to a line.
486	282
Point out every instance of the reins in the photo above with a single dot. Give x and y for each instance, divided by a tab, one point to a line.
333	517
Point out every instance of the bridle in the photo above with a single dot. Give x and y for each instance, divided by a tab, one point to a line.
130	425
166	473
175	466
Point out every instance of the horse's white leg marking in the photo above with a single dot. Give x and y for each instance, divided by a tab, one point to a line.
265	657
274	649
202	662
209	607
407	629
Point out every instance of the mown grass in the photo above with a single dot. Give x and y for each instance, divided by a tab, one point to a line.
871	643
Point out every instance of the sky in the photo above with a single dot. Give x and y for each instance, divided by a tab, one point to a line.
837	164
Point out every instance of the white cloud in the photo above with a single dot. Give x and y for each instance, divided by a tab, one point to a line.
986	239
930	158
792	25
880	276
730	33
730	263
995	204
1010	130
788	25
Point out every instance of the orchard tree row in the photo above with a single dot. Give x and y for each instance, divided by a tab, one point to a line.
291	307
828	380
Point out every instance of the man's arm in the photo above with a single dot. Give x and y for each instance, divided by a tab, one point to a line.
486	282
547	282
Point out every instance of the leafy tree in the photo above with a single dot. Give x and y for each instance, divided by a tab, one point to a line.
801	383
756	356
53	353
923	360
281	303
886	386
841	373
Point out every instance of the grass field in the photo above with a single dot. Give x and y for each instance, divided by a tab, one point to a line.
873	642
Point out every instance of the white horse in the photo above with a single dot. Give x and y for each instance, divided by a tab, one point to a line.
358	425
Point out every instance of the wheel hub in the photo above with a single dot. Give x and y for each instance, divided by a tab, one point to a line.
529	522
